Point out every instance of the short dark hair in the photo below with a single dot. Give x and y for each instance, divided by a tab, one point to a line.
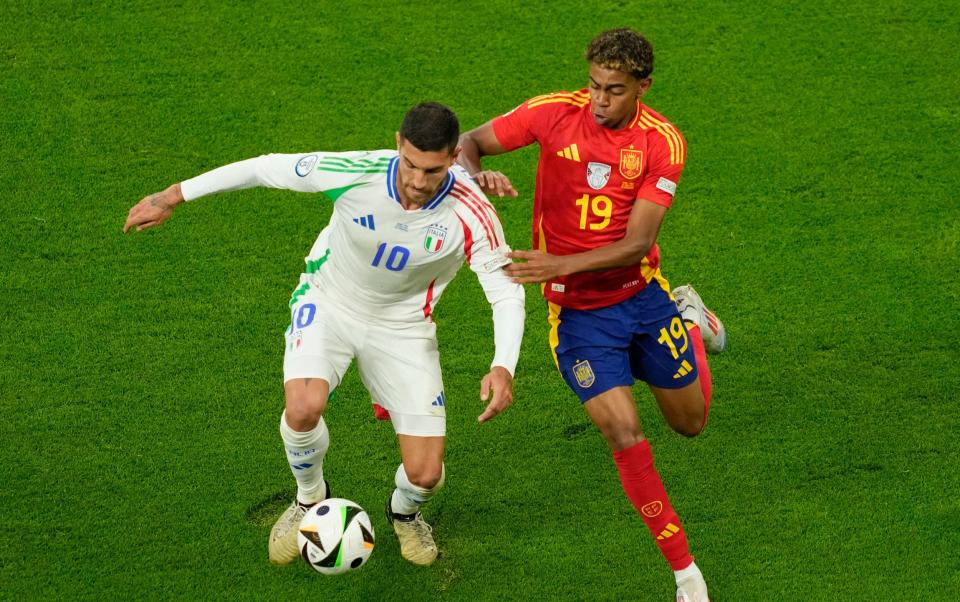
431	126
624	50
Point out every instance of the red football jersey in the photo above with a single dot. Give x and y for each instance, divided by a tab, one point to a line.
588	179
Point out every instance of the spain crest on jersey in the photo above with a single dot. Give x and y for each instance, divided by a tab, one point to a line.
631	163
434	239
583	372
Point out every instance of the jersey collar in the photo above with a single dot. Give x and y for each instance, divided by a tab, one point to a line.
432	203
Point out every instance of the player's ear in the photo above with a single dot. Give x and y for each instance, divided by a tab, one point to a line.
644	86
455	154
398	141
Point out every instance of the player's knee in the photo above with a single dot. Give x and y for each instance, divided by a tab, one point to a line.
303	411
689	425
622	438
425	476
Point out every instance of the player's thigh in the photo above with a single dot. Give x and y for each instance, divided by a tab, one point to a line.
614	412
318	348
684	409
591	349
400	367
662	355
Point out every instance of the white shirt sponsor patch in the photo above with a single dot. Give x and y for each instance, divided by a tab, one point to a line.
667	186
557	288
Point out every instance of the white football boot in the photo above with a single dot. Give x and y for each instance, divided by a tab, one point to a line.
690	585
691	307
415	536
283	537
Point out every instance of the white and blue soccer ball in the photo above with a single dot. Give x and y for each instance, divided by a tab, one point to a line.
335	536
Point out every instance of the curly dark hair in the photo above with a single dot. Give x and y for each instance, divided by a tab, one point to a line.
624	50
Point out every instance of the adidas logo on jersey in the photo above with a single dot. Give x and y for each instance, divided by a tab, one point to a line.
366	221
571	152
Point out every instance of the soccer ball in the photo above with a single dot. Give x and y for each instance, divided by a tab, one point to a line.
335	536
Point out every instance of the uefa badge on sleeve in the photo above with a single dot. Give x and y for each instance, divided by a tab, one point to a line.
434	239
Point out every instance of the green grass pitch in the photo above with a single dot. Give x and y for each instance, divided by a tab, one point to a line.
140	375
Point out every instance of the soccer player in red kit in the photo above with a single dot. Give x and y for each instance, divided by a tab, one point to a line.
609	168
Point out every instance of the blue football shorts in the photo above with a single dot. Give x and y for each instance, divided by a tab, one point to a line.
641	338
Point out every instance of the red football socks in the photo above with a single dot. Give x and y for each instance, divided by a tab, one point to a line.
703	370
643	486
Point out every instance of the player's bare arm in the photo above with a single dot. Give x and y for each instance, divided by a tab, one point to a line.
154	209
642	229
497	386
475	144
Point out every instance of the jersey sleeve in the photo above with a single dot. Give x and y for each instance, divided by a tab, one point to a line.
304	172
524	125
486	251
667	155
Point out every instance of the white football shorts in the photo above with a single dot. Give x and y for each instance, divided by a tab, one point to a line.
399	364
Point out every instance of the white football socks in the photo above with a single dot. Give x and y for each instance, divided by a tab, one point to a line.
305	452
407	497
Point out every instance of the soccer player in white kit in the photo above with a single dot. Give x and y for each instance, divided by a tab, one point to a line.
403	223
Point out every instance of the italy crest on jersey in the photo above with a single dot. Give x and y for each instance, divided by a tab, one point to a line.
583	372
434	239
597	175
631	163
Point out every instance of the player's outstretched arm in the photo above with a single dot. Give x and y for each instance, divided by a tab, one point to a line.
480	142
497	386
153	210
642	229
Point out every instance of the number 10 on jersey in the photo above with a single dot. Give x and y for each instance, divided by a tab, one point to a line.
396	259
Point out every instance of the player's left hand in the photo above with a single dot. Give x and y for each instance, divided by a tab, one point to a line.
153	210
535	266
498	383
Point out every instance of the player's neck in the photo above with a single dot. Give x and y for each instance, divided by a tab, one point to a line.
626	120
406	203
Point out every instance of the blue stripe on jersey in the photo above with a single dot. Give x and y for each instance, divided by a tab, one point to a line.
447	185
392	179
432	203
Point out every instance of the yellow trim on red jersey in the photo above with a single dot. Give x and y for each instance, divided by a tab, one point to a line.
573	98
553	317
541	246
660	279
678	149
578	94
578	104
636	116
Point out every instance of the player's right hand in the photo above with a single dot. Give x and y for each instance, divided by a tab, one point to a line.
153	210
494	182
497	388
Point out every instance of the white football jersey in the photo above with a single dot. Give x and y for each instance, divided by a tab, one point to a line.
376	258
